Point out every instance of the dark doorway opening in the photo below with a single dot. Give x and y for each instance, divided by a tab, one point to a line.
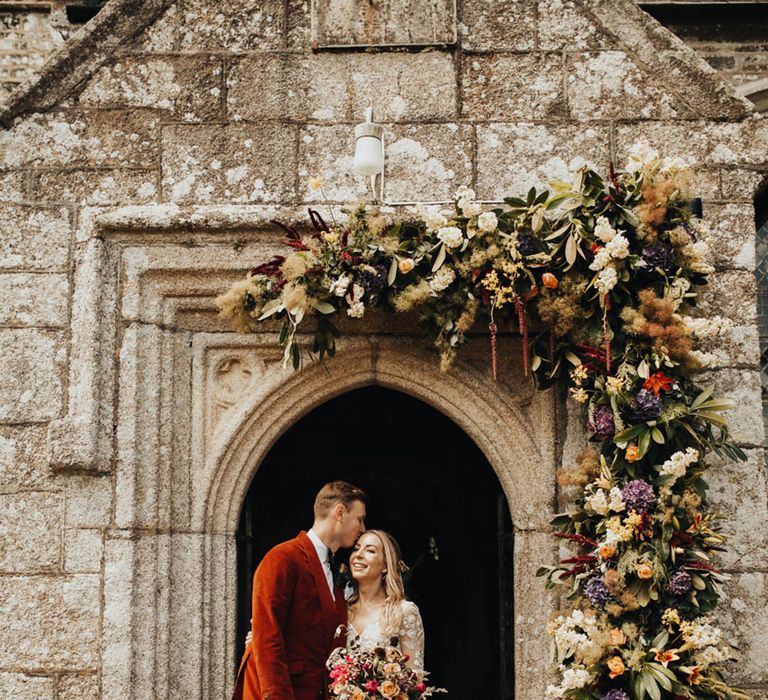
433	489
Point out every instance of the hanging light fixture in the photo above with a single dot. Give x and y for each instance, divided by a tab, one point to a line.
369	152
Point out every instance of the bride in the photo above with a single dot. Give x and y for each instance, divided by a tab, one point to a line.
377	608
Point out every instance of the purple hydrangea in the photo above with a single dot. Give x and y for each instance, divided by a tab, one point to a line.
615	694
638	495
373	280
597	591
602	425
526	245
679	583
648	405
661	256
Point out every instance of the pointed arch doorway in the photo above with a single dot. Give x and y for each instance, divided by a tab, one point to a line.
433	489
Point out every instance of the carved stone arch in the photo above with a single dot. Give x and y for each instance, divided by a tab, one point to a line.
486	410
510	423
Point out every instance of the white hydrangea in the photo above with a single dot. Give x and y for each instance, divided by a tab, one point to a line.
575	678
708	327
553	692
697	255
464	192
470	208
606	280
618	247
441	279
433	218
673	164
487	222
615	500
355	301
598	502
700	633
602	258
603	229
640	155
677	290
339	286
677	465
451	236
709	656
576	635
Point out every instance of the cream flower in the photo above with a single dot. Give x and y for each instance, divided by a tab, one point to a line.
433	218
442	279
606	280
640	155
340	286
602	258
487	222
451	236
603	229
618	247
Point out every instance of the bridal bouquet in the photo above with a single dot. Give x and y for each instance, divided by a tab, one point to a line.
378	672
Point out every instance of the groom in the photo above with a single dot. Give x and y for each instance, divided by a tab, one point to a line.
297	606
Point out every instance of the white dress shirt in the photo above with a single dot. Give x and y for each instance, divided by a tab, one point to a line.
323	553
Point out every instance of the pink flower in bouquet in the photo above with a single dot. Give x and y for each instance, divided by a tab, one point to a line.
420	687
372	686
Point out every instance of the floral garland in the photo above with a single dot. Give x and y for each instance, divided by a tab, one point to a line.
599	277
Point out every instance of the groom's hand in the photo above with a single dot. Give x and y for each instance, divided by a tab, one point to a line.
249	636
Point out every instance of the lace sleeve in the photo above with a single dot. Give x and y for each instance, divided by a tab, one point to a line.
412	636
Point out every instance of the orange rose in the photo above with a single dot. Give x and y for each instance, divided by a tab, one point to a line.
606	551
391	669
405	266
632	454
389	689
358	694
617	637
643	571
616	665
550	281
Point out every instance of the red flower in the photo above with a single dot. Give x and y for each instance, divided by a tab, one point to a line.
657	382
372	686
420	687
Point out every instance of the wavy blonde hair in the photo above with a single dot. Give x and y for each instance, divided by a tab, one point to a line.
392	583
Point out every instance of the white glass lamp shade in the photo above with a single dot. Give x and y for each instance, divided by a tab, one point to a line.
369	151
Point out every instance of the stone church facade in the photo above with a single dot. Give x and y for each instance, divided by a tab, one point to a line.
139	175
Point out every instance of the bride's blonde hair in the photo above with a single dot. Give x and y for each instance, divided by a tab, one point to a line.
392	583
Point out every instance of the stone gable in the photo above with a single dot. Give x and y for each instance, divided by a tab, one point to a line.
139	176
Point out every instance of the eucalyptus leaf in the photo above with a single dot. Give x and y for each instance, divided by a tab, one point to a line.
570	250
324	307
270	308
392	272
440	259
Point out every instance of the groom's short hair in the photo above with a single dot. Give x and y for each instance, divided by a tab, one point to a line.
337	492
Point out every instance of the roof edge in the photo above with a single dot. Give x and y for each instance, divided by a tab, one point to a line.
80	57
679	67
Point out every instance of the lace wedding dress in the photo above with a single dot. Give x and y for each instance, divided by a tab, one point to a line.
411	635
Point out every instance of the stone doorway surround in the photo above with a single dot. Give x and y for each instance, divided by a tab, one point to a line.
197	407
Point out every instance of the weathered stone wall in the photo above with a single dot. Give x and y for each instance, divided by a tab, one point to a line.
31	29
173	131
29	32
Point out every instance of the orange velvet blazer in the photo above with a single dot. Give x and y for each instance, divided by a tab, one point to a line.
294	622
